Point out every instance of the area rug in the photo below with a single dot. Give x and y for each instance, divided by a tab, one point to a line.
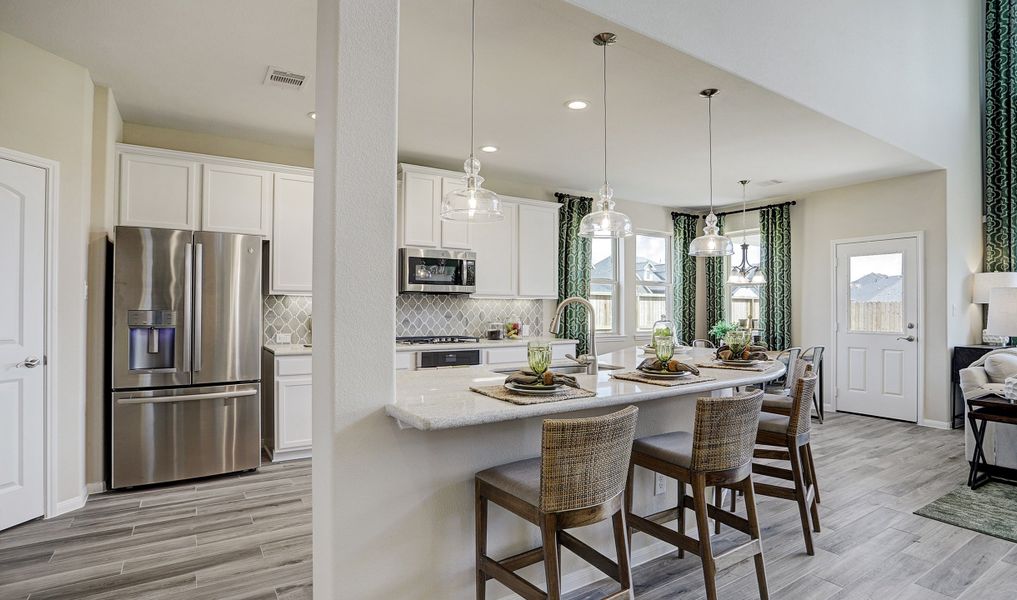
991	509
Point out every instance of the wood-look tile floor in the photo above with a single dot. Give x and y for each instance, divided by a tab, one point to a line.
239	537
872	474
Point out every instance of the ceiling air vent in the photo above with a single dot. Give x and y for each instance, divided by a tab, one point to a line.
286	79
770	182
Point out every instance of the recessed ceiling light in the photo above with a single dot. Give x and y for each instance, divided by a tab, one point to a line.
312	115
576	104
489	148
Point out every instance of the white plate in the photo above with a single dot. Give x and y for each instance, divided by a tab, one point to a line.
740	363
531	392
667	375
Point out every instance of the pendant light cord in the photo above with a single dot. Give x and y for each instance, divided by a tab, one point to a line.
743	211
709	133
605	114
473	71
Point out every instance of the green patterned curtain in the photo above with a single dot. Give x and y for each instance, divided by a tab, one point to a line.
1000	136
573	265
775	256
684	275
716	277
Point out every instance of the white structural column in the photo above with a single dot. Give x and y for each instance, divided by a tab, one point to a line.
354	237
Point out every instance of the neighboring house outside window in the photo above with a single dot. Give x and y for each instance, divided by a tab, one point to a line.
604	284
652	266
743	300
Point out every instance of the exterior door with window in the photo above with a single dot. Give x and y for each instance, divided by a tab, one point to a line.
22	269
876	328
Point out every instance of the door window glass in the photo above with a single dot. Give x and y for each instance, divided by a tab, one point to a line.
877	298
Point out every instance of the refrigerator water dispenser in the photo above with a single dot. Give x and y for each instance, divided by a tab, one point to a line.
152	340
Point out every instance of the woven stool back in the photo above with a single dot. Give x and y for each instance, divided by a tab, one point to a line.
584	462
725	431
801	403
799	371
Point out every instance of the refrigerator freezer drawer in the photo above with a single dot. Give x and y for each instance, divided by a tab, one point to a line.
167	435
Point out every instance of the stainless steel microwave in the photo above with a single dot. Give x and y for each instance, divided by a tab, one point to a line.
434	271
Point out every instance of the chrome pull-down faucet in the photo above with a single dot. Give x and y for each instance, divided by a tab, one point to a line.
589	360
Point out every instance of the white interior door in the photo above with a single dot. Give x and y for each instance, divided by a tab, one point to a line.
22	271
877	299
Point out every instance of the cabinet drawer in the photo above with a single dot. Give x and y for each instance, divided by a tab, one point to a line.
496	356
558	351
292	365
405	361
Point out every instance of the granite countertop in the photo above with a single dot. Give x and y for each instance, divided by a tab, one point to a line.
431	399
521	341
287	349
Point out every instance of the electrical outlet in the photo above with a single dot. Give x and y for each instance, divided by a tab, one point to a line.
284	338
659	484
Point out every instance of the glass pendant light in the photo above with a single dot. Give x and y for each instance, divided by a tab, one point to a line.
745	273
472	202
711	243
605	221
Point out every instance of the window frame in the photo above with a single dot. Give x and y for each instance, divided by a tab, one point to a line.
667	284
616	289
736	237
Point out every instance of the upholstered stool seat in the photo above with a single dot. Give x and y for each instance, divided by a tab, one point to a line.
777	402
774	423
578	480
674	448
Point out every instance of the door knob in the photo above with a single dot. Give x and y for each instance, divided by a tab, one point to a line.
29	363
909	338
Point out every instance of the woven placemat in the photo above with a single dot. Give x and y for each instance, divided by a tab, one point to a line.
637	376
499	392
763	366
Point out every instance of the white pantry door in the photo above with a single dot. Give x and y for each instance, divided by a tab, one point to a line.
877	328
22	276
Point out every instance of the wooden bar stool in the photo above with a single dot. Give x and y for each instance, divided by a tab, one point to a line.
577	480
787	434
717	452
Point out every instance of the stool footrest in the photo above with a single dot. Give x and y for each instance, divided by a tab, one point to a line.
775	491
523	559
510	580
771	471
767	453
738	554
604	564
675	538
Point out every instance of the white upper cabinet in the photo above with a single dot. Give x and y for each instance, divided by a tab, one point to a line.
454	234
538	250
289	269
236	200
495	244
158	191
419	209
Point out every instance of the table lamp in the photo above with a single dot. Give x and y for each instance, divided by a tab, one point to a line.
1002	312
984	283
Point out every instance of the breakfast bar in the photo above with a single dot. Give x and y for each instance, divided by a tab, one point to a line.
442	434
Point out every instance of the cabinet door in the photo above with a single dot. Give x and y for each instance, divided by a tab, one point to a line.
291	234
454	234
495	245
158	192
293	416
538	251
236	200
420	208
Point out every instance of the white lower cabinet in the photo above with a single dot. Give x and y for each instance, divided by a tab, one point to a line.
286	418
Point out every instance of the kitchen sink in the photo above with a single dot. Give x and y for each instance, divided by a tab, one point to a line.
564	369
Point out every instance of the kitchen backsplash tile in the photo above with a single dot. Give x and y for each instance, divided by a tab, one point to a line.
288	314
442	314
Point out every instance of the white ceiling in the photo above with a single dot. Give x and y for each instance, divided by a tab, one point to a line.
199	65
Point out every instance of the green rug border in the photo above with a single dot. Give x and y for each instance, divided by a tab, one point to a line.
968	524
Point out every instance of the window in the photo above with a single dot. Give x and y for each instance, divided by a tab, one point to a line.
604	284
652	267
877	297
743	300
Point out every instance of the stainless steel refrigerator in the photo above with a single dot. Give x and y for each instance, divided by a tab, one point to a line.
185	355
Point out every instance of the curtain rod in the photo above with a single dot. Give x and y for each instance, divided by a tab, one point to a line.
755	208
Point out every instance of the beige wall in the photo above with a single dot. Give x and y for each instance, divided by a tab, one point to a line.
46	110
107	130
903	204
204	143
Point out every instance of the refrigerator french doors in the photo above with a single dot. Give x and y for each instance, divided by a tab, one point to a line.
186	369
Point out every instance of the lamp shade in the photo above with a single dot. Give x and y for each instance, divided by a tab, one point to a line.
1002	312
984	282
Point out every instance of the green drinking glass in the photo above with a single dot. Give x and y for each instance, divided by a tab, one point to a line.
664	347
539	356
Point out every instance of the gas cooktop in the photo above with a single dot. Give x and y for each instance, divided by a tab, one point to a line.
436	339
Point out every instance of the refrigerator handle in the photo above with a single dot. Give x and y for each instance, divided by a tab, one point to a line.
199	281
188	298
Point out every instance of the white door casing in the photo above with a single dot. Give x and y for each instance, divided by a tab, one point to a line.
877	335
22	341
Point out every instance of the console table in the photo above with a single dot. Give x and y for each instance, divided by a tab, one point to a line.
981	411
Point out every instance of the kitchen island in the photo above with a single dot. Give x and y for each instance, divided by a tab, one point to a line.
441	434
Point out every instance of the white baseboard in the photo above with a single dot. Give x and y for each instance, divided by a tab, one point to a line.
587	575
66	506
935	424
96	487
